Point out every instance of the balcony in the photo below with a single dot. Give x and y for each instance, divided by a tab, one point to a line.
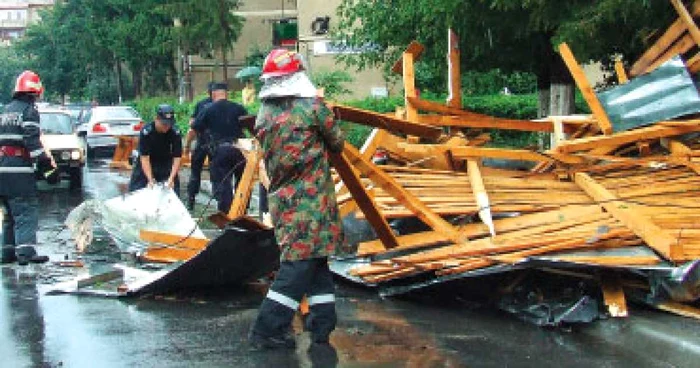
13	23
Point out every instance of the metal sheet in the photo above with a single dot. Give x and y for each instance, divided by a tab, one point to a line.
665	93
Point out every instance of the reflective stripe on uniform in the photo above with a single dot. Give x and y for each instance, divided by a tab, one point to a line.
283	299
36	153
321	299
21	169
17	137
31	123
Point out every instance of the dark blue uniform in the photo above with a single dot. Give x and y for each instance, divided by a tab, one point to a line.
199	154
220	120
19	147
161	148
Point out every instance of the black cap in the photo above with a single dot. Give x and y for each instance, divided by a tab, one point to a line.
210	86
166	114
219	86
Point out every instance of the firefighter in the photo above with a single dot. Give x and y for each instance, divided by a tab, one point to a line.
200	152
295	129
221	121
20	146
160	153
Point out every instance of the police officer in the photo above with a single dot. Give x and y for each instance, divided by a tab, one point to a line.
221	120
296	131
160	152
19	147
200	153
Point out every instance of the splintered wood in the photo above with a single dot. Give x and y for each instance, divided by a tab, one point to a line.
598	198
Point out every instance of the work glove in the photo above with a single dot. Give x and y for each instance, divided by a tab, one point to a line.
47	168
52	176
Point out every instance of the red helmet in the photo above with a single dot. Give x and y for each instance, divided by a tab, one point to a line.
281	62
29	82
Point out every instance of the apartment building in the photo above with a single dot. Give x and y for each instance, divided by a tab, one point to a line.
17	15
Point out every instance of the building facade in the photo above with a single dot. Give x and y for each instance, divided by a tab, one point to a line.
17	15
301	25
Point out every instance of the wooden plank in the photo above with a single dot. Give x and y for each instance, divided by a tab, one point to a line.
620	71
688	20
513	154
614	296
409	86
631	136
612	260
167	255
683	45
454	98
363	200
588	94
467	119
372	143
414	48
674	32
481	196
381	121
680	309
244	189
173	240
391	186
644	228
693	64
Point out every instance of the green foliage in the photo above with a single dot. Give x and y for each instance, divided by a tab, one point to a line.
494	81
147	109
11	65
333	82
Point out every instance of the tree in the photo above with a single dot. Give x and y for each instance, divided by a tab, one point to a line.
206	26
512	35
12	66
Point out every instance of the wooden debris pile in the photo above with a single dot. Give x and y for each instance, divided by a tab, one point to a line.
592	194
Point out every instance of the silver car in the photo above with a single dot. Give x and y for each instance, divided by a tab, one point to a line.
103	124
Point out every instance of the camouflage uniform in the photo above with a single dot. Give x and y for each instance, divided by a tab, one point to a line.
296	135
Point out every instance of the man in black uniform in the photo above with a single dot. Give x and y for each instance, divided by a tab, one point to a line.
160	152
200	153
19	147
221	120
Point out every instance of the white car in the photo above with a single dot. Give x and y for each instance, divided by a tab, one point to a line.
60	139
103	124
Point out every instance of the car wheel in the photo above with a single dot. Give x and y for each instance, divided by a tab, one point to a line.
76	178
89	151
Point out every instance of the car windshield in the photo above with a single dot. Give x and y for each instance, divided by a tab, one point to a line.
56	123
115	113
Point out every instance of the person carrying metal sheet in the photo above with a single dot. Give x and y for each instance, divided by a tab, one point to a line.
20	147
160	153
221	121
296	131
200	152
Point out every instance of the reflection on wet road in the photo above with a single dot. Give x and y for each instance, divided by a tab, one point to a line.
208	329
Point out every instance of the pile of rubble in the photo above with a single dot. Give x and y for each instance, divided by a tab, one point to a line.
612	200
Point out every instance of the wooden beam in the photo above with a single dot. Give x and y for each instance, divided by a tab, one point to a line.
173	240
409	86
654	236
588	94
680	309
681	46
513	154
620	71
382	121
631	136
673	32
245	188
688	20
415	49
614	296
454	98
481	196
373	142
391	186
364	201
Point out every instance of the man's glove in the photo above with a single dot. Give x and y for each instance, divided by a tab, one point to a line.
47	169
52	176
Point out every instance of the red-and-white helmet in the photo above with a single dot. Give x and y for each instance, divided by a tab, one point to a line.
29	82
281	62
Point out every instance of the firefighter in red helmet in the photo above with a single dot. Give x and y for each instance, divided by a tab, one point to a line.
20	148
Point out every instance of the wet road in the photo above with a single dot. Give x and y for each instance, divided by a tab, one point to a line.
209	329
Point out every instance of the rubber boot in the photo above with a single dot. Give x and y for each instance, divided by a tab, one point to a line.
190	203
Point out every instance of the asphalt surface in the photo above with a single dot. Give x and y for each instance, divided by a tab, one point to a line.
208	329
